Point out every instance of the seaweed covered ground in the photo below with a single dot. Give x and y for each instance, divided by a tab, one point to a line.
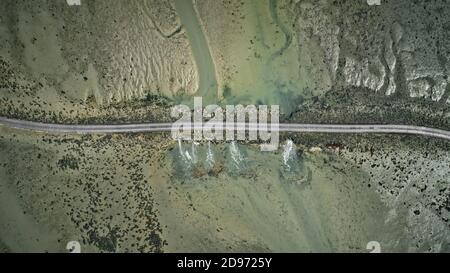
333	61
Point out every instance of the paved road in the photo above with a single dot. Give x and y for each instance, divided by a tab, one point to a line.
283	127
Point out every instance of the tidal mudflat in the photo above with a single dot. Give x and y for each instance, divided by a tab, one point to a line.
110	62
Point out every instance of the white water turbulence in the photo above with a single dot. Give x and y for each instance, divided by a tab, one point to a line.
193	155
197	159
184	161
289	154
192	159
236	157
293	169
209	157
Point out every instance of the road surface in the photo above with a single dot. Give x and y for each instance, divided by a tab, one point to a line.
283	127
